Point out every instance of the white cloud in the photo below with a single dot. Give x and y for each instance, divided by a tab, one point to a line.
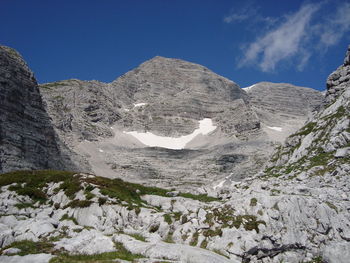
284	42
335	26
294	38
248	13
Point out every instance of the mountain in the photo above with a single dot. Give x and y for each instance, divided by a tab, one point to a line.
295	210
169	98
27	137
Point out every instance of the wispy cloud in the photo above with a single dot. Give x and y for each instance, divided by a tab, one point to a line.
294	38
282	42
249	12
336	26
242	14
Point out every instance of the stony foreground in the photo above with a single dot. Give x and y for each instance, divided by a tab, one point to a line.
60	216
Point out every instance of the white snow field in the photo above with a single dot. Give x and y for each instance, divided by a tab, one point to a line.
205	127
139	104
275	128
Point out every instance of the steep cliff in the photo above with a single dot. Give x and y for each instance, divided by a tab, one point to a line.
27	138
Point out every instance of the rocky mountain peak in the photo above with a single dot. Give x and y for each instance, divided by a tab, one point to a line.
172	63
160	77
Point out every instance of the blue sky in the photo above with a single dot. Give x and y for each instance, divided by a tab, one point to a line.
299	42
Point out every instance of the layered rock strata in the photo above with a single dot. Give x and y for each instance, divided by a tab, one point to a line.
168	97
27	138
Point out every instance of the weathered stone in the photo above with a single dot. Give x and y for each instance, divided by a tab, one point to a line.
27	137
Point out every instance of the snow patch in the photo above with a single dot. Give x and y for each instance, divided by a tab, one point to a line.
275	128
139	104
248	88
176	143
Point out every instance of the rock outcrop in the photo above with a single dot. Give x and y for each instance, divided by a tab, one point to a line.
27	138
282	107
168	97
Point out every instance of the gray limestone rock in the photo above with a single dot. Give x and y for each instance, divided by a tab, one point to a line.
168	97
27	138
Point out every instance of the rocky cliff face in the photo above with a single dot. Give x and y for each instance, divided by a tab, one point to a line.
27	138
338	81
81	110
168	97
177	94
322	145
282	108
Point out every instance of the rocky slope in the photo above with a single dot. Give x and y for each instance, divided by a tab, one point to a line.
297	210
168	97
27	137
282	107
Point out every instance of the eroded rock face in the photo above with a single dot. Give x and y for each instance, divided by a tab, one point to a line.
177	94
339	80
278	103
81	110
27	138
322	145
168	97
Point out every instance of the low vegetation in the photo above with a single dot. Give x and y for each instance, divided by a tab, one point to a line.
121	253
30	247
67	217
226	217
32	184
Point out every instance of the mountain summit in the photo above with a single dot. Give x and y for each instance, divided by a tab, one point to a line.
113	125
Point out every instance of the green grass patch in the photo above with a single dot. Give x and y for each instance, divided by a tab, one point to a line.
121	253
33	192
308	128
200	197
71	218
138	237
167	218
204	244
253	201
30	247
30	183
79	203
89	195
321	158
194	240
33	181
212	232
24	205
